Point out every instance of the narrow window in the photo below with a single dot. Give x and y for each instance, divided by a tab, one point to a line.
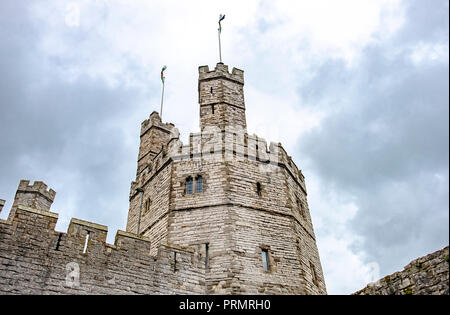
212	107
199	184
313	273
59	241
174	261
211	90
300	207
86	242
207	255
147	205
189	185
265	259
258	189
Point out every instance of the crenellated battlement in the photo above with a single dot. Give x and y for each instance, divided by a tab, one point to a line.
221	71
80	261
286	160
37	187
36	196
154	121
154	136
214	143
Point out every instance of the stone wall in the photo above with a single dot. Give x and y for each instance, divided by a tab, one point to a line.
36	259
427	275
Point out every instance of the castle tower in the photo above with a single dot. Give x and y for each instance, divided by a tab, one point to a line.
244	207
221	97
153	135
36	196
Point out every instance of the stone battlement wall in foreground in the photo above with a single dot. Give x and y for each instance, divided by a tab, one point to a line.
427	275
36	259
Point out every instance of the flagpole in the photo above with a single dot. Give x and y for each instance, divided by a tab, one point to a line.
220	49
162	99
163	80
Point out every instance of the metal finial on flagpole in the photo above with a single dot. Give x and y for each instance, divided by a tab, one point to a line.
162	95
221	17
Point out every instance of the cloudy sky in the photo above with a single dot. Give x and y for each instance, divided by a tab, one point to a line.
356	91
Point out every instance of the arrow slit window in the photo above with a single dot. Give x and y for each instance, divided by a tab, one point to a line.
265	259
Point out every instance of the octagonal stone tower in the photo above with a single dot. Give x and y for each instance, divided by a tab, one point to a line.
240	202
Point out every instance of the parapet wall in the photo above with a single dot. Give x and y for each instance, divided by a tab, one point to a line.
216	144
221	70
36	259
222	144
427	275
154	121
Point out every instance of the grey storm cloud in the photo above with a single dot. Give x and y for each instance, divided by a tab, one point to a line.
385	140
67	133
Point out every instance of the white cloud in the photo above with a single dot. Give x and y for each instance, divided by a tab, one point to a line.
424	52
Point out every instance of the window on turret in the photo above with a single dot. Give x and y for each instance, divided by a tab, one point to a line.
199	184
259	189
189	185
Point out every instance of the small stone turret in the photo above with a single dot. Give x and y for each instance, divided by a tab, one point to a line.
154	134
35	196
221	97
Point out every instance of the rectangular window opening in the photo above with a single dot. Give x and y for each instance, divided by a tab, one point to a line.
313	273
207	255
199	184
174	261
265	259
189	184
